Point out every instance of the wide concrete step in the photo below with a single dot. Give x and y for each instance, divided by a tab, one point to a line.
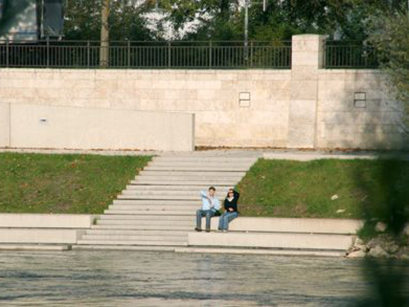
40	235
113	237
125	247
169	181
191	177
128	242
147	217
169	193
152	202
204	159
161	188
272	240
206	168
156	208
293	225
130	195
199	163
138	232
145	223
150	212
161	226
186	173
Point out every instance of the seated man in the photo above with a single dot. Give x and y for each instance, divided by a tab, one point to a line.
210	208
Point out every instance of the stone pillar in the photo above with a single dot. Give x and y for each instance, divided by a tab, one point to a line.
307	58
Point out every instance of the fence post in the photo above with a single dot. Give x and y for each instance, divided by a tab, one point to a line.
210	54
48	51
129	54
88	54
169	55
324	56
7	52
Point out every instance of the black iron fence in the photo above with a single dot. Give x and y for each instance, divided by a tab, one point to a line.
183	55
201	55
349	54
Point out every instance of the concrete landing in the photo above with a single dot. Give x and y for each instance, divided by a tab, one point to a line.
323	242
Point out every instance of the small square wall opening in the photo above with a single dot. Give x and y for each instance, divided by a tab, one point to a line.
360	100
360	96
244	99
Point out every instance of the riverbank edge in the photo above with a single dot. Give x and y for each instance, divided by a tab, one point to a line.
48	232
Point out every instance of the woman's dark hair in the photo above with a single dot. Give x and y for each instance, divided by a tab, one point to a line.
212	188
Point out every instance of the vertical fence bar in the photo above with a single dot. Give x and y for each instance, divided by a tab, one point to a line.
48	51
129	54
88	54
169	55
210	54
7	52
251	53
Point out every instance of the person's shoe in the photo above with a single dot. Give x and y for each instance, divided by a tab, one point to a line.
207	230
198	229
225	230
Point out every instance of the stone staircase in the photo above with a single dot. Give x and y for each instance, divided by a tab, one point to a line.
157	209
156	212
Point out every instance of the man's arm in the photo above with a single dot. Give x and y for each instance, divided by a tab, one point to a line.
203	194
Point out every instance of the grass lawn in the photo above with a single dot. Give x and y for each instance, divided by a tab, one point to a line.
326	188
38	183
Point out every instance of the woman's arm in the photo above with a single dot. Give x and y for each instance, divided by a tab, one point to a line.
236	195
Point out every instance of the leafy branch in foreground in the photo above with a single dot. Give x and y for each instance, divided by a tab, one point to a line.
389	35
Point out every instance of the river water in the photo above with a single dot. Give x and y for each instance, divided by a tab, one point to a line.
120	278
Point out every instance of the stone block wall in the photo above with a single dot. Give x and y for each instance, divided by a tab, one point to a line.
305	107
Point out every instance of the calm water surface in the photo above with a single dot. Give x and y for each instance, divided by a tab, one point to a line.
118	278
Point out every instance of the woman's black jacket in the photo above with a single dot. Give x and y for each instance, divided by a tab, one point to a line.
233	203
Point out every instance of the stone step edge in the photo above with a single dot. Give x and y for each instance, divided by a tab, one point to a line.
134	237
34	247
135	243
254	251
125	247
300	253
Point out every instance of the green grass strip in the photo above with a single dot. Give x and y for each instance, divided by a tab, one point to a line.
54	183
359	188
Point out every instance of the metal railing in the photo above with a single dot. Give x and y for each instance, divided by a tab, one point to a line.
198	55
349	54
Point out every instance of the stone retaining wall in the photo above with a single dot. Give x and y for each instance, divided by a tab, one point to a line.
305	107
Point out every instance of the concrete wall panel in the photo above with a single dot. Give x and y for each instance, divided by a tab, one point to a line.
4	124
36	126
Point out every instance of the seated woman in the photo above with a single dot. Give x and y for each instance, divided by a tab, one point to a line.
230	205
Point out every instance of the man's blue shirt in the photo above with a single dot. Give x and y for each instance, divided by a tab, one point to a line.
212	204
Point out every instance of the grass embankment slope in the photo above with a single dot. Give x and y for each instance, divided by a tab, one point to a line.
326	188
38	183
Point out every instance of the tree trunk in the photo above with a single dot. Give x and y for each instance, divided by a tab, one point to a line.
104	49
